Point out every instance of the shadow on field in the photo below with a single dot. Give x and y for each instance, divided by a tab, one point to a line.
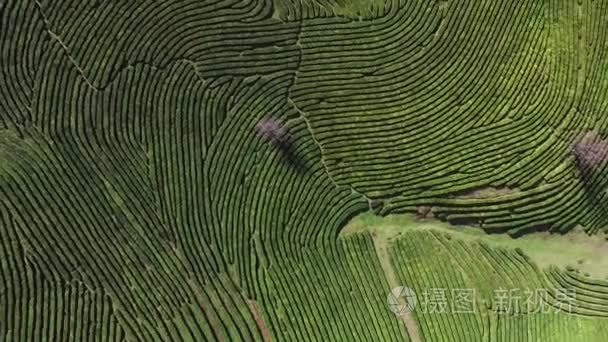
594	186
545	227
275	132
290	156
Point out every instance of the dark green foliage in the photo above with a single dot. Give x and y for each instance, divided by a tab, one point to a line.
137	201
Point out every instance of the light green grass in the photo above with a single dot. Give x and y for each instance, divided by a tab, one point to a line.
576	249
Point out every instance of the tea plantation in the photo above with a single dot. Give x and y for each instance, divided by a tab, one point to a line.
219	170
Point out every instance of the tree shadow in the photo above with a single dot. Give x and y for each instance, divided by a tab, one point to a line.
290	156
594	183
275	133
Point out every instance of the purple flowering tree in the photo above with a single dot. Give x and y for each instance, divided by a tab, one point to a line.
590	150
272	130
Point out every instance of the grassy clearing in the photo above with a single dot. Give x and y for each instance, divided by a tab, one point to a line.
575	249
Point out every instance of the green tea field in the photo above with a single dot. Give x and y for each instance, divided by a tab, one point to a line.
304	170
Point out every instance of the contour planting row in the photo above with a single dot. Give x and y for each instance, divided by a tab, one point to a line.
583	192
423	265
21	41
425	166
510	295
388	129
207	144
42	311
592	102
173	128
292	10
492	269
99	237
330	295
134	183
104	39
589	297
542	327
34	308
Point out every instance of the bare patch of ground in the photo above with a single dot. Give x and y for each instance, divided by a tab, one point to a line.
259	319
487	192
381	246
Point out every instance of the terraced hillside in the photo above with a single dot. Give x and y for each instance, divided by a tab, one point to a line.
139	202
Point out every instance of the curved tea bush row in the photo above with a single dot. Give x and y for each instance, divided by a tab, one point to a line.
337	295
590	297
133	184
35	307
162	161
293	10
103	237
21	42
442	99
554	327
222	36
415	257
503	283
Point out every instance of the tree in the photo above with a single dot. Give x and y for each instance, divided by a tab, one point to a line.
590	151
273	130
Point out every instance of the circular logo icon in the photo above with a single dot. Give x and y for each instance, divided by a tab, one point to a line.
401	300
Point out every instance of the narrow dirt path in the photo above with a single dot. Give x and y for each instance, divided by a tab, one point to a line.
381	246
